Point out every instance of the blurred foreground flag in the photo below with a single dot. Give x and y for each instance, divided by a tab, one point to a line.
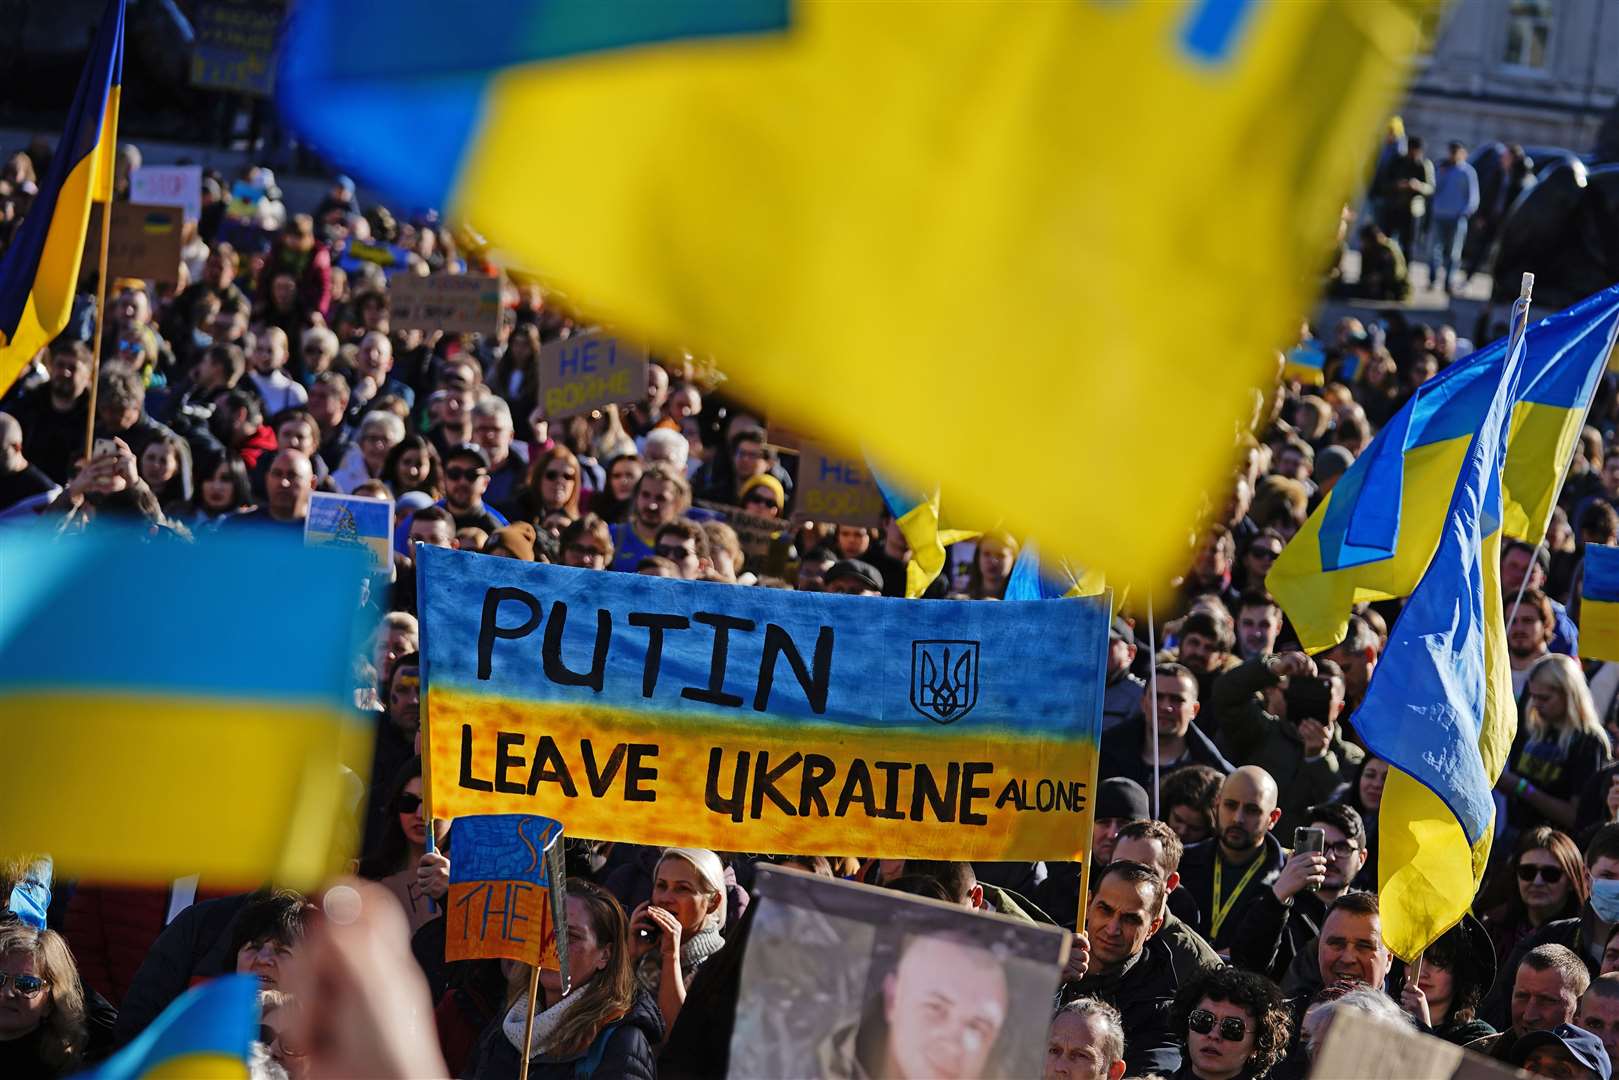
1599	603
207	1032
39	274
1439	708
1374	535
163	714
978	239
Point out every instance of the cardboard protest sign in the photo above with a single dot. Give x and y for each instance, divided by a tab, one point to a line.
168	185
353	521
1360	1047
142	242
683	713
507	891
835	487
234	45
454	303
839	978
755	533
587	371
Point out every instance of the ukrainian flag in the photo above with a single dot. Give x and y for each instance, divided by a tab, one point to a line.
918	519
1599	603
207	1032
970	235
1374	535
40	271
1030	580
166	712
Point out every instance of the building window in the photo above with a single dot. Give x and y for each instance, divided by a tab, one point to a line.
1529	30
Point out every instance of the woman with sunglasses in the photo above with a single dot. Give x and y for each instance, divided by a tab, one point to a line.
1543	881
397	859
1237	1026
1261	555
43	1031
553	484
277	1019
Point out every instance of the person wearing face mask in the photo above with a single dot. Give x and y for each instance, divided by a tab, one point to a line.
603	1024
1586	934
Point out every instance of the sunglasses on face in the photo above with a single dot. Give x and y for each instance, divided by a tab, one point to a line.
26	985
1266	554
765	500
408	803
675	554
1551	875
560	475
269	1037
456	472
1202	1022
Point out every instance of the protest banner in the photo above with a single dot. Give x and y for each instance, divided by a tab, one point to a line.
835	487
168	185
755	533
1358	1046
507	891
143	242
837	976
234	45
355	521
454	303
665	712
585	372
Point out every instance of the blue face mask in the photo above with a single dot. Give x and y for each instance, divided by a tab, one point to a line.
1605	900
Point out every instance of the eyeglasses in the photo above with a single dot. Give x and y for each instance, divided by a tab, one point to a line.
1341	850
26	985
456	472
1231	1028
271	1038
408	803
675	553
1551	875
570	477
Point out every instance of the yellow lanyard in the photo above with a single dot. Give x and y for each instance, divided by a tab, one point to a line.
1218	916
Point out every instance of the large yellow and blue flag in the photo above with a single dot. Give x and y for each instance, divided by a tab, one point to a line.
147	676
1439	708
207	1031
904	224
39	274
1374	535
1599	603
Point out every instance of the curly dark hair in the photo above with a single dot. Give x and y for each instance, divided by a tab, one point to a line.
1272	1023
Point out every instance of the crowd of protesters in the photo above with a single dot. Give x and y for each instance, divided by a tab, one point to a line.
1216	947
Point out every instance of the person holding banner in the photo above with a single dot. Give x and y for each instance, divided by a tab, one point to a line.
605	1025
679	928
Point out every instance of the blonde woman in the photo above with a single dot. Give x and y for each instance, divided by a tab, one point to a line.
679	928
1560	744
42	1020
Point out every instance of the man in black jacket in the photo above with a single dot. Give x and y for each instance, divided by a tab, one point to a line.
1231	870
1283	922
1127	748
1118	961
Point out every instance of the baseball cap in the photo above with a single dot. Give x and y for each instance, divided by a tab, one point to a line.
466	449
1581	1045
863	572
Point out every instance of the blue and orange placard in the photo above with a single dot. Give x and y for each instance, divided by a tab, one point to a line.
507	891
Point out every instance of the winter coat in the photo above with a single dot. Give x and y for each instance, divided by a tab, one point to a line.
625	1049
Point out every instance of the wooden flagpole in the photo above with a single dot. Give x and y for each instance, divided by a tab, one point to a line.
528	1021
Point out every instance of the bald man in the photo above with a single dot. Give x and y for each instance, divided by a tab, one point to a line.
23	488
1241	861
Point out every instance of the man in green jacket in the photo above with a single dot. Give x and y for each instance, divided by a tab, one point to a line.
1280	711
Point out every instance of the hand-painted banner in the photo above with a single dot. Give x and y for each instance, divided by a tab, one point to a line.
687	713
507	891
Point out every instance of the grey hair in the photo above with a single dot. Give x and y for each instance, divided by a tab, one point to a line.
384	419
1111	1041
493	406
1374	1004
665	445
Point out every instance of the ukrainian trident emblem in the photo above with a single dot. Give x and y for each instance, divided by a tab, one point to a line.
944	679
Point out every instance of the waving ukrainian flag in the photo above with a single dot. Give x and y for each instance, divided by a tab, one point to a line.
918	519
208	1031
897	223
40	272
1599	603
1375	534
1439	708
